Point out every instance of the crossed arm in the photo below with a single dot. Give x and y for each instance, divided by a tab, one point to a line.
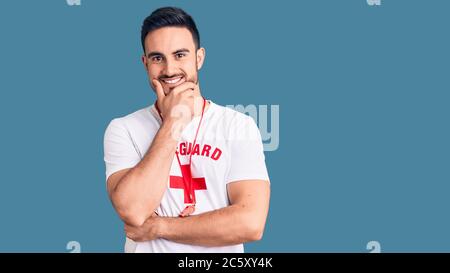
136	192
241	222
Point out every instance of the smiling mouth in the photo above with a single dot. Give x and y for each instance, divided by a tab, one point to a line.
172	81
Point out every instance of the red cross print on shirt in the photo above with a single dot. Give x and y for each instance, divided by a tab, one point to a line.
177	182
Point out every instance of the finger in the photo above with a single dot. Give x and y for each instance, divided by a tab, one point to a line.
184	87
188	93
187	211
158	89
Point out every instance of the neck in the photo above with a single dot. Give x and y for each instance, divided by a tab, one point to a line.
199	103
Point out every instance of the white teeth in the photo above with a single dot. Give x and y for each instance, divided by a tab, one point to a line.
172	81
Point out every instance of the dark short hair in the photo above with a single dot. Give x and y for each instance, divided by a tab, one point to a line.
169	16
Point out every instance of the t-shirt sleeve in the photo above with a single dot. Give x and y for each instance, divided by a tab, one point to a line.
247	160
119	151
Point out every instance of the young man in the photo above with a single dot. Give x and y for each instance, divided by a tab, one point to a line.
185	174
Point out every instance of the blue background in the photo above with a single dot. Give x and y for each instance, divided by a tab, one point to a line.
364	110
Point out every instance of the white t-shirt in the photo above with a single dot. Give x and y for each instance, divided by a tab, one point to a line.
228	148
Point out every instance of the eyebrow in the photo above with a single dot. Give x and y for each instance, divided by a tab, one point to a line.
156	53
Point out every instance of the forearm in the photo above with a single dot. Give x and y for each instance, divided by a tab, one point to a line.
140	191
227	226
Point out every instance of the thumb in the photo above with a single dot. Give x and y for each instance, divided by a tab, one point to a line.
158	89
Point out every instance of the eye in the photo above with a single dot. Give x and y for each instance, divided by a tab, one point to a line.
180	55
156	59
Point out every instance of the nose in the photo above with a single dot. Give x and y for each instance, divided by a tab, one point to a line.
170	68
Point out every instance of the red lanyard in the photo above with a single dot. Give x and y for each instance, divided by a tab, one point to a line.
187	178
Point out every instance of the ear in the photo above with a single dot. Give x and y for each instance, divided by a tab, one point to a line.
200	57
144	61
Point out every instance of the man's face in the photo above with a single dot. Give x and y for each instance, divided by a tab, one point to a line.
171	57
